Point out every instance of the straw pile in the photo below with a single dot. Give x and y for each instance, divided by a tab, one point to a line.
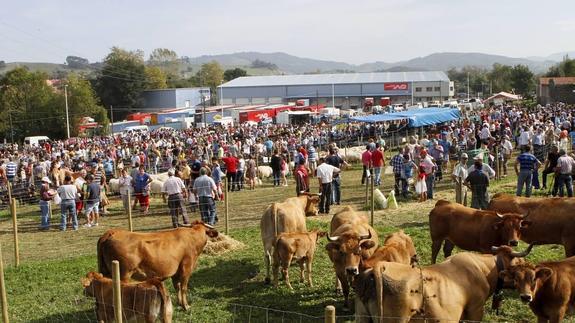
221	244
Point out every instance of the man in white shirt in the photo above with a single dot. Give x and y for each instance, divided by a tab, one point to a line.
485	168
505	153
459	175
325	173
176	191
524	138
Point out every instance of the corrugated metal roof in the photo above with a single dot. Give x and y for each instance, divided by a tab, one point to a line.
355	78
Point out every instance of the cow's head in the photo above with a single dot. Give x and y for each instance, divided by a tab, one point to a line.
508	258
348	250
311	205
87	283
319	234
210	230
508	227
527	279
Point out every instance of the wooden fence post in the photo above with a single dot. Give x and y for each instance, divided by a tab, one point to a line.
367	179
227	206
15	228
117	291
130	224
497	164
4	299
330	314
9	185
372	195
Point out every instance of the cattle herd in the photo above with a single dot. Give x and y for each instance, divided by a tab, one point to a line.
389	284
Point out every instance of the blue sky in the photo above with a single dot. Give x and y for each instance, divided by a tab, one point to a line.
349	31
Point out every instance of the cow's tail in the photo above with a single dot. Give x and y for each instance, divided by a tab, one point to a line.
378	277
102	266
166	308
274	215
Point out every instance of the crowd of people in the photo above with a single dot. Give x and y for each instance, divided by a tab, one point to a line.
470	152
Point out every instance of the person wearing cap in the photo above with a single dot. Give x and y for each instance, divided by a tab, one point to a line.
477	181
485	168
398	170
175	190
46	195
205	189
302	178
377	162
458	176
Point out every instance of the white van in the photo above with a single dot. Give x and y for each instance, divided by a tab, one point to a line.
35	140
142	128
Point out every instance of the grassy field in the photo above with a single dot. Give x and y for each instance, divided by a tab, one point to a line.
229	287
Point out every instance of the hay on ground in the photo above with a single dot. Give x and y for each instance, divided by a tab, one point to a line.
222	244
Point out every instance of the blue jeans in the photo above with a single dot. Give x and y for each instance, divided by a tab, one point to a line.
277	177
208	210
44	214
535	179
336	190
524	178
68	206
567	181
429	181
377	174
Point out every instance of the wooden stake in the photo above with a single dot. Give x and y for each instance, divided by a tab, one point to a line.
130	224
372	195
330	314
117	291
227	206
5	317
15	229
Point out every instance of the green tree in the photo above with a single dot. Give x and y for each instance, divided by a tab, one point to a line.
562	69
77	62
523	80
500	78
156	78
122	80
83	102
211	75
234	73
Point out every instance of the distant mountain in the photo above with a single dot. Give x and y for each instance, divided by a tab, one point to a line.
282	63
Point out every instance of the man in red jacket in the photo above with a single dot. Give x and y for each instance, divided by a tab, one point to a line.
231	168
377	163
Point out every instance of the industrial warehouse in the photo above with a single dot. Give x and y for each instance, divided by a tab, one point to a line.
344	91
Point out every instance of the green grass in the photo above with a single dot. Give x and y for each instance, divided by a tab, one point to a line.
46	287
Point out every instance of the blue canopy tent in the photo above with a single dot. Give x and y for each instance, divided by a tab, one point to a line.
416	118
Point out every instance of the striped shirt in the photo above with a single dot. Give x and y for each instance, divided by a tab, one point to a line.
11	169
397	163
527	161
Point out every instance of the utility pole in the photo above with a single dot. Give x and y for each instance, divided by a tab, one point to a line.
467	85
112	119
67	116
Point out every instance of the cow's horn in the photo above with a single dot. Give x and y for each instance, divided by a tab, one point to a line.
365	237
208	226
524	253
499	215
332	239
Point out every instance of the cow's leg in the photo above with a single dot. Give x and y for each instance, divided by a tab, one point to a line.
301	270
267	262
342	277
178	287
276	267
285	270
447	248
308	270
436	245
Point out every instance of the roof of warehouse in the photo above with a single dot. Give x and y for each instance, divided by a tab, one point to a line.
348	78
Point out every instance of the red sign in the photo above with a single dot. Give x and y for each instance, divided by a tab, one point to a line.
396	86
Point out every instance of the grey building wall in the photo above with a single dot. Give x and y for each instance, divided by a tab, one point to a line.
154	100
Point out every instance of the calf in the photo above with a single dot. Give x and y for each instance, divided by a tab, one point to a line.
142	301
397	247
295	246
548	287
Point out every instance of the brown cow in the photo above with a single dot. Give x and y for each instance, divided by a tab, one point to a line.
397	247
287	216
454	290
172	253
548	287
352	240
471	229
298	246
553	219
146	301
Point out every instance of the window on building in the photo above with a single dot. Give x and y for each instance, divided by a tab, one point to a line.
417	89
437	89
418	99
429	99
429	89
451	88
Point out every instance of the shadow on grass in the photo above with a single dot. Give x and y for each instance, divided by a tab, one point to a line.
413	225
83	316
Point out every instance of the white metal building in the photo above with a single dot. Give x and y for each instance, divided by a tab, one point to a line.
339	90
